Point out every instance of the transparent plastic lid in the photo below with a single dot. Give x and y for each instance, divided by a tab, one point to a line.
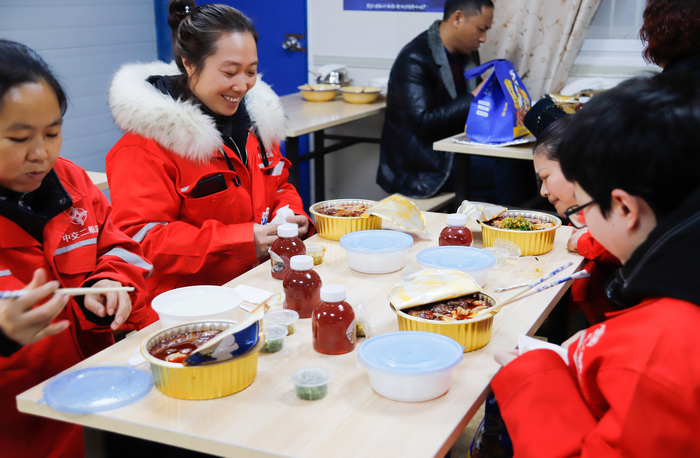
274	331
376	241
311	376
410	352
283	317
362	315
97	388
507	248
456	257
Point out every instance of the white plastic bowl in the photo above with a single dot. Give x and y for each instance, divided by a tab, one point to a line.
376	251
196	303
410	366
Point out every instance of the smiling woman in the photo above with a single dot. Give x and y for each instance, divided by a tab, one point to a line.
199	172
44	246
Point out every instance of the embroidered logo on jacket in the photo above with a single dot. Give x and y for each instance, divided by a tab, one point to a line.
77	216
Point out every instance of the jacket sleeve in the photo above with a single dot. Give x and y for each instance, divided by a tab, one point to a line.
147	209
288	195
119	258
416	96
589	248
546	416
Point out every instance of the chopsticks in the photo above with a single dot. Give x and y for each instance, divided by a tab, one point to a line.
533	284
530	292
67	291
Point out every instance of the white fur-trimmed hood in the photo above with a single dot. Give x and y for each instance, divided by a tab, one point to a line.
180	125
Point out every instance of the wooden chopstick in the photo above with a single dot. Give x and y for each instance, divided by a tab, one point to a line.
67	291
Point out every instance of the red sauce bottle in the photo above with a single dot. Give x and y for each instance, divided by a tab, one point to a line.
333	322
456	232
288	244
302	286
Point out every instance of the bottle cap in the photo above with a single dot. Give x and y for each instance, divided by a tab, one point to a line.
301	262
288	230
457	219
332	293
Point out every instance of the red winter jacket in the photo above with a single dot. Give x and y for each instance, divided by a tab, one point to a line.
588	293
169	147
80	245
631	389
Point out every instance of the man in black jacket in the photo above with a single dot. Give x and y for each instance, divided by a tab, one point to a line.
428	99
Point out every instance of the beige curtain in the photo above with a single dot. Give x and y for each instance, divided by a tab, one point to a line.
541	38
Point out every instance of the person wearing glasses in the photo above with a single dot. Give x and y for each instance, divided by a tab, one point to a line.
548	122
629	386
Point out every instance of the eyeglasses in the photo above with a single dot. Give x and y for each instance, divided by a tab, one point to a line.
576	216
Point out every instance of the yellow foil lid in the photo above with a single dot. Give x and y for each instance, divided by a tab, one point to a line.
431	285
398	210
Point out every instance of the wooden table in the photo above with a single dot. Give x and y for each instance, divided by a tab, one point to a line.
312	118
267	419
523	152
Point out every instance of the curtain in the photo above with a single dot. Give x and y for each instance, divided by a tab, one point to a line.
541	38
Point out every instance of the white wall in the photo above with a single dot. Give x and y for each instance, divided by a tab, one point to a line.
85	42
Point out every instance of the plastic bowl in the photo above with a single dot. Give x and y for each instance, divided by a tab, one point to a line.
360	94
334	227
200	382
376	252
274	338
311	383
319	92
470	334
410	366
532	243
473	261
196	303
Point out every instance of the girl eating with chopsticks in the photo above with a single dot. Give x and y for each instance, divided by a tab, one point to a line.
56	232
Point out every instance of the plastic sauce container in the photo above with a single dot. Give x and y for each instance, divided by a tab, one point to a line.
274	338
532	267
286	318
288	244
311	383
456	232
302	286
333	323
316	252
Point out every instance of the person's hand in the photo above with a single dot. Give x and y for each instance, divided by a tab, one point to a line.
572	244
478	88
505	357
265	236
117	303
26	324
571	340
301	221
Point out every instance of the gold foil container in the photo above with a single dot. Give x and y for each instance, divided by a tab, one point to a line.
532	243
471	334
334	227
200	382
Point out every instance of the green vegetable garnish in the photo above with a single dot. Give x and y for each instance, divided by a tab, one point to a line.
272	346
312	393
518	223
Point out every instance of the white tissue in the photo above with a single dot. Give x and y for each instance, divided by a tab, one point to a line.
281	216
526	344
252	295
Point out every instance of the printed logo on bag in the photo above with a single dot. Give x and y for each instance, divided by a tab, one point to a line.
77	216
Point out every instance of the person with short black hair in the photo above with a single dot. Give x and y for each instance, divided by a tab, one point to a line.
630	386
199	173
428	99
56	232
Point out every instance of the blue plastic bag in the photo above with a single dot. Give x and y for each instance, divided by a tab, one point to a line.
497	112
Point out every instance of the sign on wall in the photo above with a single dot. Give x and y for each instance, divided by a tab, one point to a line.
432	6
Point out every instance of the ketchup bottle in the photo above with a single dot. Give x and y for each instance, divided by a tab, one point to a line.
456	232
302	286
288	244
333	322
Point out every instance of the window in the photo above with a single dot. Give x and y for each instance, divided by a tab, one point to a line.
617	19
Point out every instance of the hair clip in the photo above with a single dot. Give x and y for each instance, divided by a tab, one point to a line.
187	9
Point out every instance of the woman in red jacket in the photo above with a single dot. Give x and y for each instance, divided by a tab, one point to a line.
56	231
199	172
548	123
